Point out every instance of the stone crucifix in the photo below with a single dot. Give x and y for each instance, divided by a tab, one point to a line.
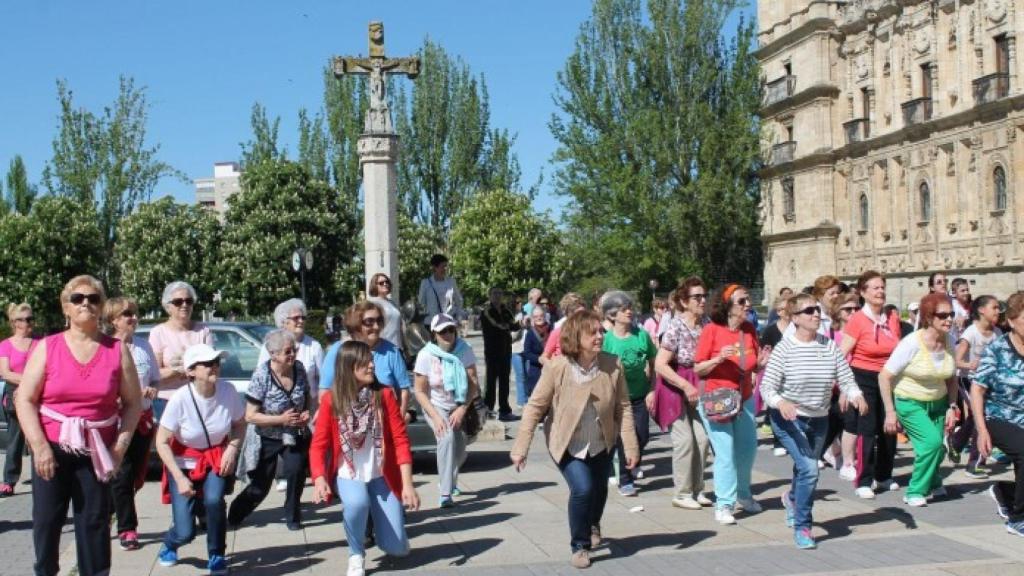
377	67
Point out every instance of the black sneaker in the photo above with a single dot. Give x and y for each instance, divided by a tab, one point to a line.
507	417
951	451
976	472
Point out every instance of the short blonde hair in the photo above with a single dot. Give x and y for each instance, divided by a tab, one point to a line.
15	309
77	281
115	307
575	327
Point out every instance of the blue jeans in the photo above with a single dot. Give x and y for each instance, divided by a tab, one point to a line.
183	528
804	439
519	368
588	492
362	499
735	446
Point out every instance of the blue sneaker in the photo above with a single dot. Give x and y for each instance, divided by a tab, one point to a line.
167	557
804	540
787	504
456	491
217	565
1015	528
446	502
627	490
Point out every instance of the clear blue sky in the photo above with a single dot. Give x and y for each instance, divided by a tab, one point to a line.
205	63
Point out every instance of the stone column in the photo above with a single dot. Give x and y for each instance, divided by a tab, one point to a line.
378	154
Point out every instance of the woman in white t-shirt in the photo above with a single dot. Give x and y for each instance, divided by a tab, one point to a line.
446	385
199	439
973	342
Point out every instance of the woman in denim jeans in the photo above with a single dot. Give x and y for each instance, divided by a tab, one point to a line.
797	387
585	390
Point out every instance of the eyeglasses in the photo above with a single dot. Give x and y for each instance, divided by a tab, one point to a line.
77	298
179	302
297	319
943	315
810	311
383	282
543	302
698	296
288	352
371	321
743	301
215	363
26	319
129	314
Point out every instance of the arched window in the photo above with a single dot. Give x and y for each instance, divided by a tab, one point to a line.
925	199
999	187
863	211
788	200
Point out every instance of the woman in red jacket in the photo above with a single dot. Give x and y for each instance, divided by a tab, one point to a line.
360	442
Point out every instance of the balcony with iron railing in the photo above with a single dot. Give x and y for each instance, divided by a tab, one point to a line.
917	111
783	152
991	88
780	89
857	130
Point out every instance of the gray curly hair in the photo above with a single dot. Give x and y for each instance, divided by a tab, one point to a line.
285	308
613	301
173	287
276	340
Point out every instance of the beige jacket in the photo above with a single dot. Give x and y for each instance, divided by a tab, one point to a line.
557	389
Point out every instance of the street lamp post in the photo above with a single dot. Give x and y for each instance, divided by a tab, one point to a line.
302	260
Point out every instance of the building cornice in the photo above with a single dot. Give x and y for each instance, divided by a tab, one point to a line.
825	229
814	25
799	99
975	271
820	158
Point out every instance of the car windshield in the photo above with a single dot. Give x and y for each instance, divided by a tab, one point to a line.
260	331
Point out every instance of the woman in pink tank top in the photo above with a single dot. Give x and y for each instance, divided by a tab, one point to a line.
78	404
13	355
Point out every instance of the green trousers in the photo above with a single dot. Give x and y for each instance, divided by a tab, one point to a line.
925	423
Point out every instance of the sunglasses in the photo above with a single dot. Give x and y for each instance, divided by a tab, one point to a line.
543	302
215	363
810	311
448	330
698	296
179	302
77	298
26	319
297	319
942	315
129	314
372	321
383	282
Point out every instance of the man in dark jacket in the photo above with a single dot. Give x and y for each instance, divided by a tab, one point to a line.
498	323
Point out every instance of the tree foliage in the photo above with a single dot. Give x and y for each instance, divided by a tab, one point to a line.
416	244
20	194
264	142
57	240
164	241
659	143
104	160
498	240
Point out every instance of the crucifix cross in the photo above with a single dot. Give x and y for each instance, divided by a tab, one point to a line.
377	66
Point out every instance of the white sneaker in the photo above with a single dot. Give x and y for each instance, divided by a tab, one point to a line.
282	485
613	481
704	500
724	516
865	493
748	505
915	501
829	458
780	451
355	565
890	485
686	503
848	473
821	464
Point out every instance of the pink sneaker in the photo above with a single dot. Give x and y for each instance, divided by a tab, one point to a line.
129	540
6	490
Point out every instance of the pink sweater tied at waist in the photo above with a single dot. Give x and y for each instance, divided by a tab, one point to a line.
81	436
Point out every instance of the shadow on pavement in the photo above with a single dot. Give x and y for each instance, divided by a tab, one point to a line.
443	525
458	553
839	527
277	559
679	541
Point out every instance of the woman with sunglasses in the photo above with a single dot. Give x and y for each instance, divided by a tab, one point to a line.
869	338
170	339
797	388
78	406
727	357
199	440
446	386
14	353
676	395
361	445
380	294
923	370
121	315
290	315
973	342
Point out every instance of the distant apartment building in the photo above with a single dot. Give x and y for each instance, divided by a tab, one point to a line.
213	193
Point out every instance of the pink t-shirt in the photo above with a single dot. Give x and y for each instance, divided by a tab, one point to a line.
553	346
16	359
88	391
168	343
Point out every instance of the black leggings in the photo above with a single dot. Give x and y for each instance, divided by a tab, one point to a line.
1010	439
876	450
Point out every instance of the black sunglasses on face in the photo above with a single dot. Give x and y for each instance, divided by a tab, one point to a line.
77	298
129	314
810	310
215	363
372	321
448	330
383	282
179	302
26	319
943	315
698	296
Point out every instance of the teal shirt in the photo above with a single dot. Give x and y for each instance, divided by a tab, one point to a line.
1001	373
634	351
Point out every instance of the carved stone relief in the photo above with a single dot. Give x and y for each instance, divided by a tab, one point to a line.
995	10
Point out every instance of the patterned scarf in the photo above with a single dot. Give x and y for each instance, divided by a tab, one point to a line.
361	422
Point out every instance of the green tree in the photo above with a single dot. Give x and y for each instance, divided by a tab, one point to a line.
104	161
20	194
345	104
280	208
498	240
164	241
658	143
314	146
57	240
416	244
264	143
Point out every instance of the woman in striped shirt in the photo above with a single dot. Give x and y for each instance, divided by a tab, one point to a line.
797	387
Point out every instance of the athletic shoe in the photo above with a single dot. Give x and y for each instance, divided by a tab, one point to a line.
627	490
446	502
704	500
217	565
848	473
997	457
865	493
167	557
129	540
915	501
748	505
953	453
282	485
613	481
787	505
724	516
456	491
939	492
580	559
507	417
889	484
637	473
356	565
294	526
1001	508
804	540
1015	528
686	502
976	472
779	451
821	464
831	459
6	490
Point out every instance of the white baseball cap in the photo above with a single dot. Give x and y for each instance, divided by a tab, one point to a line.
197	353
440	322
913	306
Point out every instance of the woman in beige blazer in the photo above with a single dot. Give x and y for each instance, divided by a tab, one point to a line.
585	390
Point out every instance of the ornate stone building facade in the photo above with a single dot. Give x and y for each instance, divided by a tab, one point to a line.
894	140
